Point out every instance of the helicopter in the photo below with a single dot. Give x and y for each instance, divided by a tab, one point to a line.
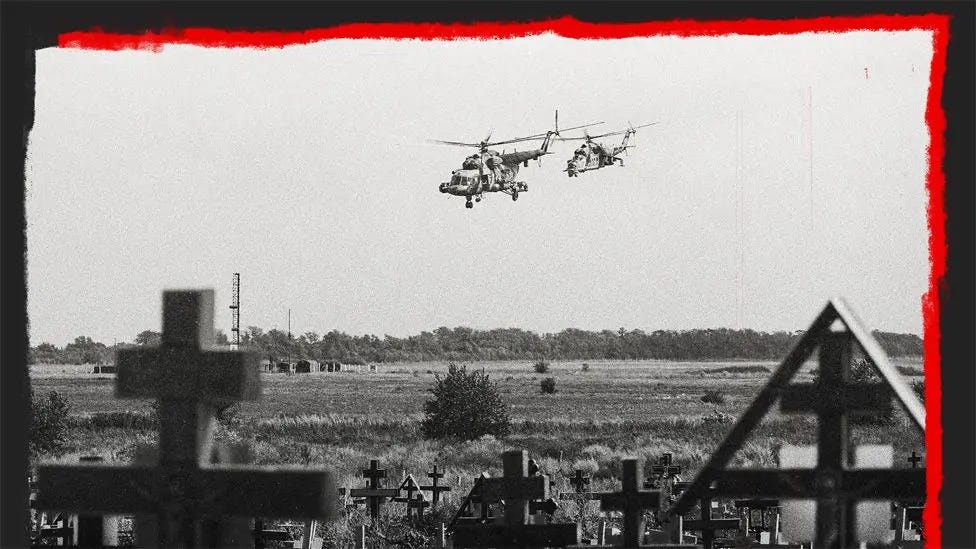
592	155
492	171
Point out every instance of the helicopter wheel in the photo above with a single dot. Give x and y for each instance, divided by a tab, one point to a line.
468	204
477	199
514	196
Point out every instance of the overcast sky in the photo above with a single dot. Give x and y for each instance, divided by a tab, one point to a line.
306	170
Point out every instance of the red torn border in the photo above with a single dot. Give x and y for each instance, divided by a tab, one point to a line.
571	28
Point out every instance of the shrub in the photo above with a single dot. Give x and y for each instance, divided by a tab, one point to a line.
465	405
586	367
713	397
49	425
548	386
717	418
541	367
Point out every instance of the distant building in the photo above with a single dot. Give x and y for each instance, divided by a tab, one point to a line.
306	366
105	369
330	366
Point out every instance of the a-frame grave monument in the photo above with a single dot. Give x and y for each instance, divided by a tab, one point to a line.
834	484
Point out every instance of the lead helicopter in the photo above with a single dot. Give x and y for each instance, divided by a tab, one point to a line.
489	171
592	155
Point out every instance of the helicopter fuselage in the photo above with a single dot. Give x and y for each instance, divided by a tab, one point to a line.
593	156
490	171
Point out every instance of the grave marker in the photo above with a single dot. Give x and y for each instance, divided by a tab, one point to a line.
373	493
516	488
835	487
410	486
418	504
433	487
191	381
632	501
708	525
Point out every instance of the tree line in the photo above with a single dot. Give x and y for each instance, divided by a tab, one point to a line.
467	344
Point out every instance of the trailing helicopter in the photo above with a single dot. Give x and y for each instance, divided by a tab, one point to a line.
489	171
592	155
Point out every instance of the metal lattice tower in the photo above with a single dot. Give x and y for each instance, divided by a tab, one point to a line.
235	308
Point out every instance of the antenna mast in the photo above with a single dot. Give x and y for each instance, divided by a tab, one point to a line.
235	309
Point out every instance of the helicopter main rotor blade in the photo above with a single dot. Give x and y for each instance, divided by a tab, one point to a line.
580	127
459	144
644	125
518	139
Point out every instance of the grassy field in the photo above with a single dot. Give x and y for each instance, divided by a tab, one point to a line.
597	417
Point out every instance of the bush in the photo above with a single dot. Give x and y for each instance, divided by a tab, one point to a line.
464	406
586	367
548	386
541	367
713	397
49	425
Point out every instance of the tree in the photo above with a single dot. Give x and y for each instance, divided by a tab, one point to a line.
45	353
220	338
148	338
465	405
49	423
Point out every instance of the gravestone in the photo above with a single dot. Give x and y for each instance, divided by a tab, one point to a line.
835	487
433	487
516	488
191	381
374	493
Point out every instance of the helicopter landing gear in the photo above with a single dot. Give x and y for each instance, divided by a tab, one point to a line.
468	204
514	195
477	198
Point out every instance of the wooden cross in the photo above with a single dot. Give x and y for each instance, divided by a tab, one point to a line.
410	486
191	381
433	488
418	504
632	501
516	488
914	460
580	481
708	525
663	469
373	493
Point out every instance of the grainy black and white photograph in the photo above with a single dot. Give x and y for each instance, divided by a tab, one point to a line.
528	291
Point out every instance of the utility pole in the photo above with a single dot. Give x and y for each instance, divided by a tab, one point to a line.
235	308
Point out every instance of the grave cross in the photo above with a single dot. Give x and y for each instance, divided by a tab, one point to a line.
433	487
473	497
632	501
410	486
191	381
418	504
708	525
664	469
373	493
516	488
914	460
579	481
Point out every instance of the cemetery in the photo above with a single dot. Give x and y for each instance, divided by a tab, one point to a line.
194	486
